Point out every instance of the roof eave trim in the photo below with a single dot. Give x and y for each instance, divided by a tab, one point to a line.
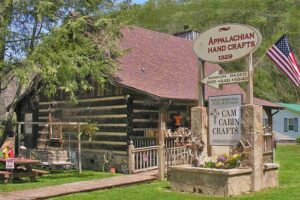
116	83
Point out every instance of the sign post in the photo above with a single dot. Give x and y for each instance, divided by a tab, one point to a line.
201	88
250	82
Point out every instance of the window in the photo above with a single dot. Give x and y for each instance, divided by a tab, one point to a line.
290	124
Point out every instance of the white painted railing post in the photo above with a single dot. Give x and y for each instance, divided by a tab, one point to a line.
130	158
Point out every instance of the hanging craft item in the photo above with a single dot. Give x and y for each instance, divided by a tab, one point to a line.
145	158
178	119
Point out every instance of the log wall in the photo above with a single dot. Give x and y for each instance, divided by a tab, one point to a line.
119	113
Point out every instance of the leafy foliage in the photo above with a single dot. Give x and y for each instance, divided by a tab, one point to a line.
89	130
82	48
298	140
50	44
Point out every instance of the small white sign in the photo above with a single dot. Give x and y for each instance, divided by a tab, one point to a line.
225	120
216	79
10	163
227	42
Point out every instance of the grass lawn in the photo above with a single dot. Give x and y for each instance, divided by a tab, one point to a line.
288	156
55	178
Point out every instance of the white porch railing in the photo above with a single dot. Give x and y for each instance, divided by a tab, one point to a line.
143	158
142	141
146	158
176	156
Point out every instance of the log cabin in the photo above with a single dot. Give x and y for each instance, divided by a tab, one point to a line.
157	74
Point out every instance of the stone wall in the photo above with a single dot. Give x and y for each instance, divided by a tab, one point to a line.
228	182
217	182
270	176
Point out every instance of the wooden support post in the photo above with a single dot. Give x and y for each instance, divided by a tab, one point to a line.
161	140
19	139
201	88
250	82
270	118
79	147
270	124
130	158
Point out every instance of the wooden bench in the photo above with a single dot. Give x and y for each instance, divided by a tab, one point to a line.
38	172
4	176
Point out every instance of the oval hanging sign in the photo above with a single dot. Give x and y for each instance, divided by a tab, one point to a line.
227	42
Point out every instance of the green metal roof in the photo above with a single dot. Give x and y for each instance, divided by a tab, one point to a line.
291	106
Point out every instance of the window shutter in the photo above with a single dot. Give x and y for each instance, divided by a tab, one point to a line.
296	124
285	125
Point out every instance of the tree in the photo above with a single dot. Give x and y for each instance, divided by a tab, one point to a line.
51	44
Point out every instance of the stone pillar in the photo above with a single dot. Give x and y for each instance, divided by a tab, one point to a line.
199	125
252	131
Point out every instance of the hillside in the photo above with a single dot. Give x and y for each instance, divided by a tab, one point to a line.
272	18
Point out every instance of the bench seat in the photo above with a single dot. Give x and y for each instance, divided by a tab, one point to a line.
4	176
38	172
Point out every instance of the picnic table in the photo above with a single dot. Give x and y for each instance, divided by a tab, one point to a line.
22	168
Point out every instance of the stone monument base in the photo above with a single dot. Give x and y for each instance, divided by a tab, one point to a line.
217	182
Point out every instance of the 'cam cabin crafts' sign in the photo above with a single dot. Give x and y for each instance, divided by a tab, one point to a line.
225	120
227	42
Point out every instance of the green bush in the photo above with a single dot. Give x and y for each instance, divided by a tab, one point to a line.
298	140
210	164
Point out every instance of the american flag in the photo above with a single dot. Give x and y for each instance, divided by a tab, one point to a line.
283	56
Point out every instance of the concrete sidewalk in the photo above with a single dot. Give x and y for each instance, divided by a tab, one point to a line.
82	186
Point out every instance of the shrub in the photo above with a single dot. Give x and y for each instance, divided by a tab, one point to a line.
298	140
210	164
